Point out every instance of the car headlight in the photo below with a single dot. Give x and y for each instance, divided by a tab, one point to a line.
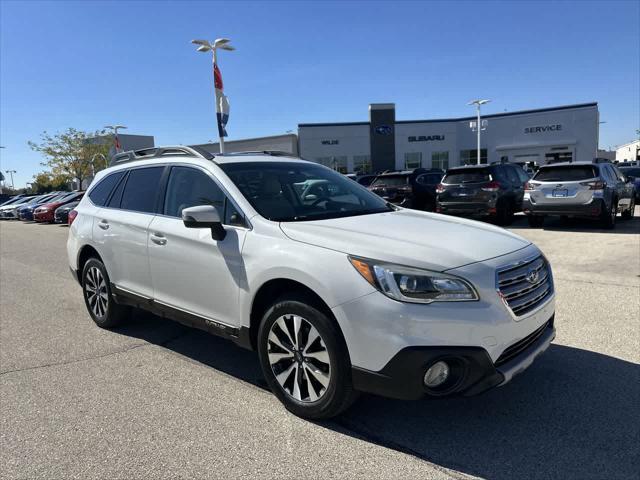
414	285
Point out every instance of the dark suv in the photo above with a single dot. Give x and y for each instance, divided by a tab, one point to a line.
411	189
579	189
493	191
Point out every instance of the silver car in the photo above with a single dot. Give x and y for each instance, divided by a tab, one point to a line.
580	189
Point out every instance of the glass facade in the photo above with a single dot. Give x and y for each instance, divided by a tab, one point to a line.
440	160
412	160
361	164
469	157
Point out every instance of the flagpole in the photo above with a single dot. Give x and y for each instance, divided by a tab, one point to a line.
218	112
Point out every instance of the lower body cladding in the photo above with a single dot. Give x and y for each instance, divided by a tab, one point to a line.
411	351
483	209
592	209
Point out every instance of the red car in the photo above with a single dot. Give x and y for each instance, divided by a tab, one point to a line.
44	213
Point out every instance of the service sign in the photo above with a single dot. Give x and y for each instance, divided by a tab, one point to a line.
543	128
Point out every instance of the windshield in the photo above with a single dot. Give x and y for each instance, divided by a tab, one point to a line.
292	191
11	200
566	173
466	176
390	181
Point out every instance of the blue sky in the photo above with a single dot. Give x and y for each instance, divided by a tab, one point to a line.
87	64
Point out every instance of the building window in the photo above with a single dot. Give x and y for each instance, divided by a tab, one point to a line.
361	164
337	163
469	157
440	160
412	160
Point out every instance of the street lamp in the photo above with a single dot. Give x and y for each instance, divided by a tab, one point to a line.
478	103
93	163
115	129
206	46
11	172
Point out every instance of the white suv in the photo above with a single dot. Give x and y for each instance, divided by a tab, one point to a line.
337	290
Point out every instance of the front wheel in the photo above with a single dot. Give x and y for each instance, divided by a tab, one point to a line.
608	216
304	359
104	311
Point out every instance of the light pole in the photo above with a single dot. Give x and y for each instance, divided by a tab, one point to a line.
478	103
206	46
11	172
93	163
115	129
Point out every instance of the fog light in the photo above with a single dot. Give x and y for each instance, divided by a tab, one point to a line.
436	375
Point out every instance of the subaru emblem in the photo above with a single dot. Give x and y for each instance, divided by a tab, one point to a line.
532	276
384	130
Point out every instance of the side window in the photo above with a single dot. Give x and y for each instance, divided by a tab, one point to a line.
522	175
618	174
116	196
141	189
512	175
189	187
101	191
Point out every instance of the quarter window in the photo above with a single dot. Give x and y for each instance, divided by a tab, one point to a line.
141	189
100	193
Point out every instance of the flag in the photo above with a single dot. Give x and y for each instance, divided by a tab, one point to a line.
222	104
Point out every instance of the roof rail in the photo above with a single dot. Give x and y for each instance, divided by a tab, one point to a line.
158	152
273	153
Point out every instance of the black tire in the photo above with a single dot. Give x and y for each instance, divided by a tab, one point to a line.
628	213
104	311
608	215
535	221
338	394
504	214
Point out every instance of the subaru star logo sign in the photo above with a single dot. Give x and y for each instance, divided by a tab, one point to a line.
383	130
532	276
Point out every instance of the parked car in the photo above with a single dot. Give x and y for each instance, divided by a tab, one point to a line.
579	189
336	295
493	191
46	211
365	180
25	212
9	209
411	189
10	200
61	214
634	174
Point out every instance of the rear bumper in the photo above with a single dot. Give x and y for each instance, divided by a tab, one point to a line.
591	209
402	377
470	209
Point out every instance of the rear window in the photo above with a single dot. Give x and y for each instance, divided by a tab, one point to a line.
100	192
429	179
469	176
141	189
566	173
391	180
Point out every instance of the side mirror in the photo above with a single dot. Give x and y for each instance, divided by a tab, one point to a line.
204	216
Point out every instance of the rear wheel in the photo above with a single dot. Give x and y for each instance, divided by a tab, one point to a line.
628	214
304	359
505	214
608	215
535	221
104	311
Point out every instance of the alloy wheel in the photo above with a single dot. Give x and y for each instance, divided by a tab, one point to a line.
299	358
96	291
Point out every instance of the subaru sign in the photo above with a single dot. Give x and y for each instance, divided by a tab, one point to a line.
384	130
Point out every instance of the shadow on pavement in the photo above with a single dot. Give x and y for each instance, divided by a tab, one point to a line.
569	415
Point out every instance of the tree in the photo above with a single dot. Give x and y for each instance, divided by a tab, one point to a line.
47	182
71	154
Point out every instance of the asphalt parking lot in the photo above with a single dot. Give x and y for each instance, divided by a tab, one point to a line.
155	399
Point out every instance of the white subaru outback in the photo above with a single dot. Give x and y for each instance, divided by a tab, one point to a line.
337	290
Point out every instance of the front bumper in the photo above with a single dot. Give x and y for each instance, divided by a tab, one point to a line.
586	210
43	216
402	377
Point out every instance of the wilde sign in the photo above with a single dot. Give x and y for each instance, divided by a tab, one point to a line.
543	128
426	138
330	142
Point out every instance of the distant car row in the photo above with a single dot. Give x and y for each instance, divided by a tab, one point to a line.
598	190
51	207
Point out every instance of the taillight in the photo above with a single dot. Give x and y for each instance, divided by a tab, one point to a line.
440	188
492	186
595	185
529	186
72	216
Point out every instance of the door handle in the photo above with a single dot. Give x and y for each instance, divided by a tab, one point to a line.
104	225
158	238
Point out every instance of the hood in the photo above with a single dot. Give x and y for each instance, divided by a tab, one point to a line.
409	237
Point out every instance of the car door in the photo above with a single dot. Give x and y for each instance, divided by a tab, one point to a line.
120	229
190	271
624	188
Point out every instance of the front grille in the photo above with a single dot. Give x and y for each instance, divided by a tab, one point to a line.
518	347
526	285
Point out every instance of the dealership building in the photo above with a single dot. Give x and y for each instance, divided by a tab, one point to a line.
538	136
